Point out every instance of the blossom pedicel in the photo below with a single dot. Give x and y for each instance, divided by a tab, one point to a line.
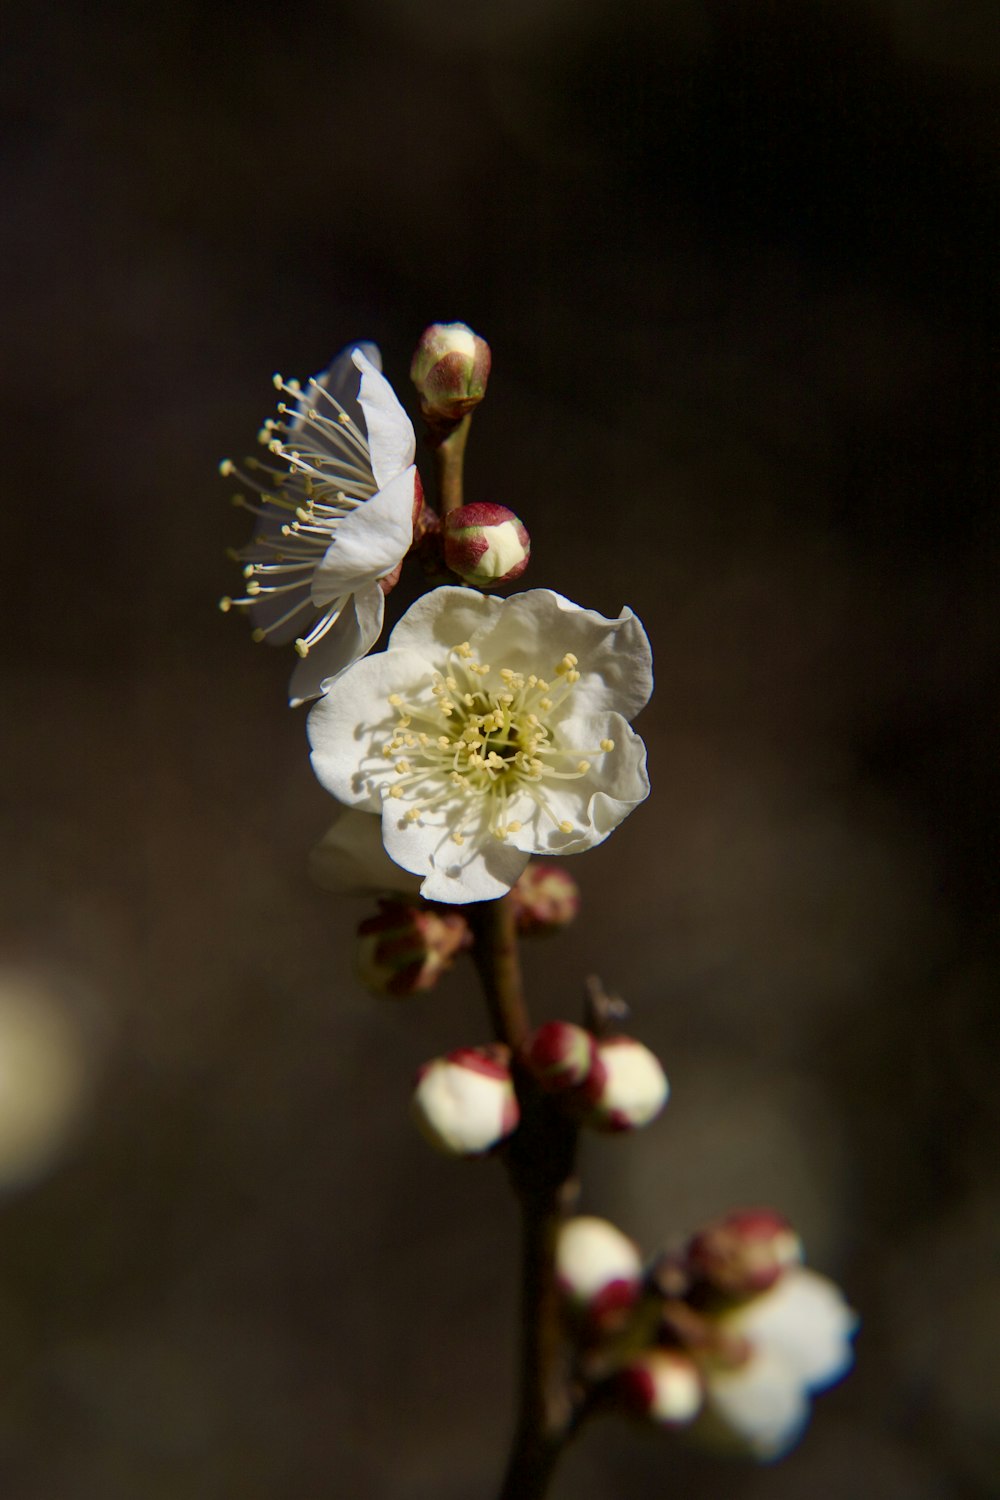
334	524
487	731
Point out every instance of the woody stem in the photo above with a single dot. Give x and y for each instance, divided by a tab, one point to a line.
540	1160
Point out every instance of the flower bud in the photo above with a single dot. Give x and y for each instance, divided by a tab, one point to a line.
406	948
450	368
561	1056
545	899
662	1384
634	1088
485	545
464	1103
744	1253
599	1269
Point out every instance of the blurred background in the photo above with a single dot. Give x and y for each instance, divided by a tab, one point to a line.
736	264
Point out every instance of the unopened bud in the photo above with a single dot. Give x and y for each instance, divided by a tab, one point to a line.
450	369
465	1103
485	545
561	1055
406	948
545	899
744	1253
634	1088
664	1385
599	1269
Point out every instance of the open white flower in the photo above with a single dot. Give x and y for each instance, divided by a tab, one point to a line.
487	731
335	523
798	1338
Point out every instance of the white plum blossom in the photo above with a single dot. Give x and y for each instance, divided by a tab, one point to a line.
798	1341
487	731
334	523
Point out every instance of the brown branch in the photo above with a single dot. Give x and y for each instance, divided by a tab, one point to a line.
540	1159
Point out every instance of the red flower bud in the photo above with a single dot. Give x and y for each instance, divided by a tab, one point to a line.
545	899
664	1385
633	1090
406	948
450	369
561	1055
464	1104
485	544
744	1253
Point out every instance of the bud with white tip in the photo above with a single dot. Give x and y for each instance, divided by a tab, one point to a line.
744	1253
663	1385
598	1269
406	948
545	899
485	545
464	1104
561	1056
450	368
633	1090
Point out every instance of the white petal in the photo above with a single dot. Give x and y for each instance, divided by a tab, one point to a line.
595	803
537	628
370	541
353	719
445	618
352	861
355	632
340	378
763	1402
391	440
481	869
805	1320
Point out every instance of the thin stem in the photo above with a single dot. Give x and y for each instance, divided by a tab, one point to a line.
541	1162
449	455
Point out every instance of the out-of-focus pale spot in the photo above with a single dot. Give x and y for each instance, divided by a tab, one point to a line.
45	1076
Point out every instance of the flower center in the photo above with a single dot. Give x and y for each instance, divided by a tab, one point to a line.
487	737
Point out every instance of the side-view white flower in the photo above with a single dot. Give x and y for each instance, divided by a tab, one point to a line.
798	1336
487	731
335	523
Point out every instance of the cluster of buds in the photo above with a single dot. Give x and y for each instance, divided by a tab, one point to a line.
732	1331
611	1083
406	948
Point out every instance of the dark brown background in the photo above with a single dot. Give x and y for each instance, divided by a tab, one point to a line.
735	262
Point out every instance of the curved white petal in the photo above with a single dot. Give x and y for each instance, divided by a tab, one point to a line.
340	379
391	439
369	542
352	721
352	636
443	618
481	869
805	1320
351	859
536	629
763	1402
